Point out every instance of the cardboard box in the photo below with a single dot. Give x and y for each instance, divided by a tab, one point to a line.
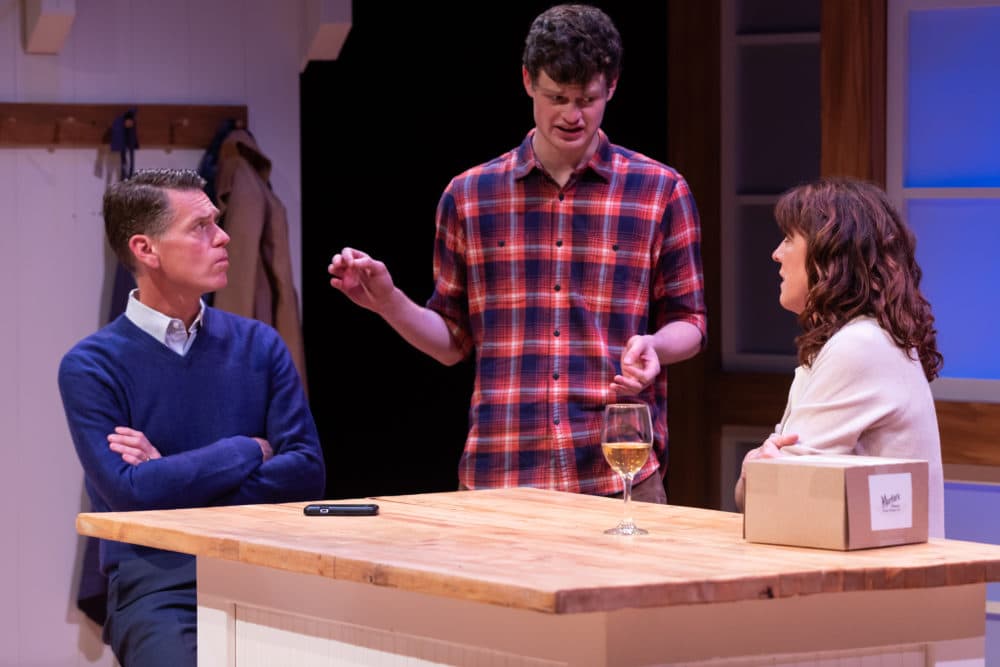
836	501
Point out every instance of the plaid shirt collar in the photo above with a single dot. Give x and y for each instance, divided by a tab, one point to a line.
599	163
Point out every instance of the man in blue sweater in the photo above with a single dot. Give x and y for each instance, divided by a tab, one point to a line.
175	404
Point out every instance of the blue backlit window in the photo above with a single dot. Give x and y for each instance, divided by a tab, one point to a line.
957	246
943	170
953	98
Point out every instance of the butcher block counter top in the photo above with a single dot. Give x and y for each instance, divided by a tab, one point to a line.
541	550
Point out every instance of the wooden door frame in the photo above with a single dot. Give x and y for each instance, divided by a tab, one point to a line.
693	121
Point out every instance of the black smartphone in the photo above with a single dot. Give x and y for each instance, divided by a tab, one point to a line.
341	509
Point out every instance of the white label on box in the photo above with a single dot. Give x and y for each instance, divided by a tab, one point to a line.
891	497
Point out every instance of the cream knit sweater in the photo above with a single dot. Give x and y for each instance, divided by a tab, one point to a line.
864	395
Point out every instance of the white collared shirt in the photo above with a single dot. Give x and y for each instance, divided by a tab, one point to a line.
168	330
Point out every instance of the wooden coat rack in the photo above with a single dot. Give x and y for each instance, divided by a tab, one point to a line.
83	125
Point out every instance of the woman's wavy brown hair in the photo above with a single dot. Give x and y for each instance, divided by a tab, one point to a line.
859	261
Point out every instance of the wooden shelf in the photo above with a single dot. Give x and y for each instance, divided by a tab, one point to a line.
82	125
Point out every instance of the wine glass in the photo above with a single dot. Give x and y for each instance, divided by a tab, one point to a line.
626	440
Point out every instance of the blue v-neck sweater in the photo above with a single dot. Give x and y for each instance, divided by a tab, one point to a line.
201	412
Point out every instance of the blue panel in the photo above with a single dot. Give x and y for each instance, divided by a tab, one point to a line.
957	242
953	86
966	508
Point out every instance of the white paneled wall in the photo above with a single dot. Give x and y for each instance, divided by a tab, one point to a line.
55	270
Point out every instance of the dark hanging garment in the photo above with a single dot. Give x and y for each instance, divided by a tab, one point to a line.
124	283
125	141
208	167
92	596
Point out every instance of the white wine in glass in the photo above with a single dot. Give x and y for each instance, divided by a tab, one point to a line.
626	440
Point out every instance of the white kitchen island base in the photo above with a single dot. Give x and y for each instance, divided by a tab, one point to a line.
261	616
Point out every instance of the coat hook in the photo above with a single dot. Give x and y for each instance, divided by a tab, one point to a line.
57	136
8	122
174	124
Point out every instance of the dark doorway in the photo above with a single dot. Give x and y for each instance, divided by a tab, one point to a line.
420	92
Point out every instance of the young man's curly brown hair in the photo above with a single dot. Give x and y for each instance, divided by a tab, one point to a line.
573	43
859	261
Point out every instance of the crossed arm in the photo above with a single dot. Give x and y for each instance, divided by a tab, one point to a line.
770	449
127	471
135	448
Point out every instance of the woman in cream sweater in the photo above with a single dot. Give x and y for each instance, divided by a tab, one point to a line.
868	348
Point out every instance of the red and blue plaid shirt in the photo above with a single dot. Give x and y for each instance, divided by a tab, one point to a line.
547	284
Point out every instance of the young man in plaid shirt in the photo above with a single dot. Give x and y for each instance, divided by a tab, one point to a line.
571	268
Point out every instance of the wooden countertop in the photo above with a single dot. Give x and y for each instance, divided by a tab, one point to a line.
541	550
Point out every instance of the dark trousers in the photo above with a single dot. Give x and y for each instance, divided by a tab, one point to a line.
153	611
649	490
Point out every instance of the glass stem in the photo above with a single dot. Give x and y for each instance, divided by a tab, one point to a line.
627	519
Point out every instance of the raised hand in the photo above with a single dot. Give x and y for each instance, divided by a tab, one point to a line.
364	280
